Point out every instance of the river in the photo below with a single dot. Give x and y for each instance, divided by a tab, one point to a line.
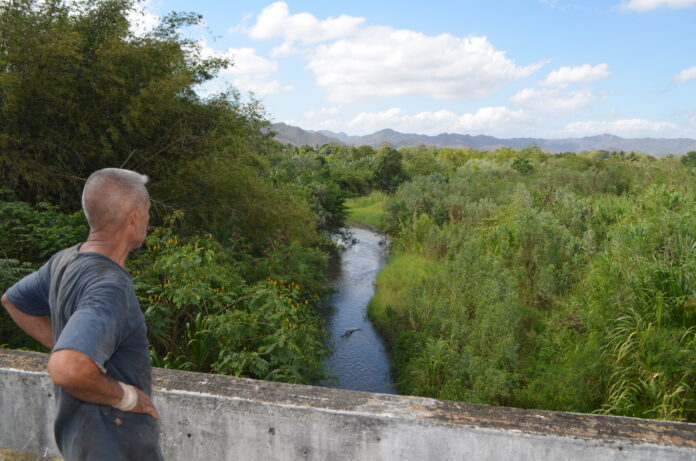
359	360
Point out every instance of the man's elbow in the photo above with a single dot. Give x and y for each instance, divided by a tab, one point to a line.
10	308
67	369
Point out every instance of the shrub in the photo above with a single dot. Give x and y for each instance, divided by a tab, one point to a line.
203	315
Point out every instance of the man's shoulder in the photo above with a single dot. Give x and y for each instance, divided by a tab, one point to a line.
89	266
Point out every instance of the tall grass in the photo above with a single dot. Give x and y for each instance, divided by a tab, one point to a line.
568	286
367	211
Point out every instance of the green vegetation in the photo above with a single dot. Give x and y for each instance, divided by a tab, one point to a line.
368	211
563	282
208	311
29	234
233	276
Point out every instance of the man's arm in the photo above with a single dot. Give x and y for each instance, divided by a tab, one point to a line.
81	377
36	326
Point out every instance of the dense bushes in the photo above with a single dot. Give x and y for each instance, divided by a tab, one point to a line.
209	307
562	282
33	233
207	312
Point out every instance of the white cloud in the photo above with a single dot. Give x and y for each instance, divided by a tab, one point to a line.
647	5
553	101
626	127
275	21
488	120
381	61
260	87
286	49
322	112
685	75
248	72
246	62
580	74
358	62
141	20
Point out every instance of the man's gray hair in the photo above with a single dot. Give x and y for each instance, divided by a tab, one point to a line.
110	194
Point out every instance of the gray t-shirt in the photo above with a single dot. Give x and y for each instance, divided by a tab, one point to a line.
94	310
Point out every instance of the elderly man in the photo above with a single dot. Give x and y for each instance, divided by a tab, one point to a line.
81	304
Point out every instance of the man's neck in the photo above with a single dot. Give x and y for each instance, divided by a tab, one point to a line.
110	245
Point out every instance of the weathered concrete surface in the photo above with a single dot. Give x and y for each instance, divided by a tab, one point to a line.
210	417
15	455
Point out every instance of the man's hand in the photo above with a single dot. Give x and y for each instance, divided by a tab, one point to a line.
81	377
145	405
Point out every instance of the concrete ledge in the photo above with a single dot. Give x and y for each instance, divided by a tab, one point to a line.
213	417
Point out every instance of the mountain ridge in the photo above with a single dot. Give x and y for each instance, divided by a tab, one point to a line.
296	136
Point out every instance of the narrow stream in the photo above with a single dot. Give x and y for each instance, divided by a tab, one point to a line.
359	360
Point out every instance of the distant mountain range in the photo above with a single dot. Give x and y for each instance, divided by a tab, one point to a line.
654	146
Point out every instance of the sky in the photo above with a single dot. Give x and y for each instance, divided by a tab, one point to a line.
522	68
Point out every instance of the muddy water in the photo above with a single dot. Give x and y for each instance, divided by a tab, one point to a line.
359	360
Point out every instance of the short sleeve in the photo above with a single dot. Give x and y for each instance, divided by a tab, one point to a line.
96	327
30	295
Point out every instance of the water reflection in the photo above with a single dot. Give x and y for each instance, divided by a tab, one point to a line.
359	360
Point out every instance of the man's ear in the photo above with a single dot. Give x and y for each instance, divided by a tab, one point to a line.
133	217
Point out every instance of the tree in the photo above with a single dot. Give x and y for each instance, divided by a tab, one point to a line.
523	165
79	92
389	173
689	159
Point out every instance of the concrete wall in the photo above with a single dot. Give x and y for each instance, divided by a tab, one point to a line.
210	417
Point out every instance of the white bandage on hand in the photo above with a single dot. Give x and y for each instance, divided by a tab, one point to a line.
130	397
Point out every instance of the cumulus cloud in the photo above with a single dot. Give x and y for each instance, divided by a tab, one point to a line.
141	20
580	74
286	49
275	21
553	101
246	61
322	112
626	127
381	61
685	75
647	5
249	71
351	61
488	120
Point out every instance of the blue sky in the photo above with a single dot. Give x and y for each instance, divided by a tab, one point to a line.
539	68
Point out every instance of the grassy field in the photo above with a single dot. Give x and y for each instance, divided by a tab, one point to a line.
367	211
